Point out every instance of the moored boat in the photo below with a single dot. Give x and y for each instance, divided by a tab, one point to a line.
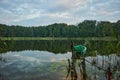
80	49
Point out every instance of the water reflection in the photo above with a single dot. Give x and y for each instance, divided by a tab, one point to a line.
33	65
61	46
94	68
47	60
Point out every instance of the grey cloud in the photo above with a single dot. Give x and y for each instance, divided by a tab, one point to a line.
37	12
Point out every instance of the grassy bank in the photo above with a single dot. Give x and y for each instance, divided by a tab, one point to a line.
58	38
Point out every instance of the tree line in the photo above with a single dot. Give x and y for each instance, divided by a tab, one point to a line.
87	28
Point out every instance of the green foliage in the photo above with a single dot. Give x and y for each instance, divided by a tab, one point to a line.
87	28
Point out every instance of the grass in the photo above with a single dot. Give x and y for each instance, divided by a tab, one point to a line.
58	38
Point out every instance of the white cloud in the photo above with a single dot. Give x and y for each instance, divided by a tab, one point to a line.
20	13
49	11
103	12
72	4
68	5
6	16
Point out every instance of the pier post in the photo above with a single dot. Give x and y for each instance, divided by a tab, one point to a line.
73	52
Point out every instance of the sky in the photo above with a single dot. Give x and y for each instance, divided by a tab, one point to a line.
45	12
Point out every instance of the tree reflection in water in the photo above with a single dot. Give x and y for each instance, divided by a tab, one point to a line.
99	60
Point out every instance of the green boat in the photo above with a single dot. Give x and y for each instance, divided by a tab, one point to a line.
80	49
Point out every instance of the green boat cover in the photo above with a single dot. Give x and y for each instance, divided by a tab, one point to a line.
80	49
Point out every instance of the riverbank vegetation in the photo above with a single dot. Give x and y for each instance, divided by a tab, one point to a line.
59	38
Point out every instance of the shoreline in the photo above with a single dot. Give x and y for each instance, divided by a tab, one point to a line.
59	38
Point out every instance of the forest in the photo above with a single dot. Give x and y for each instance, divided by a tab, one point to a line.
87	28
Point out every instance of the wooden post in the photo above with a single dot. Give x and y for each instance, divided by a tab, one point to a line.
73	52
109	74
73	69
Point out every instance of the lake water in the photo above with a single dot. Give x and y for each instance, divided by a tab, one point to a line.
51	60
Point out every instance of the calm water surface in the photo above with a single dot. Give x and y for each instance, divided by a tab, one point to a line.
51	60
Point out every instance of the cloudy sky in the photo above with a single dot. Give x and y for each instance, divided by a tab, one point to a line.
44	12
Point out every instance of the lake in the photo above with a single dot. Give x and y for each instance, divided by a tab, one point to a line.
52	60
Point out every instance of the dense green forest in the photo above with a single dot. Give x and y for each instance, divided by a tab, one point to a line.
87	28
